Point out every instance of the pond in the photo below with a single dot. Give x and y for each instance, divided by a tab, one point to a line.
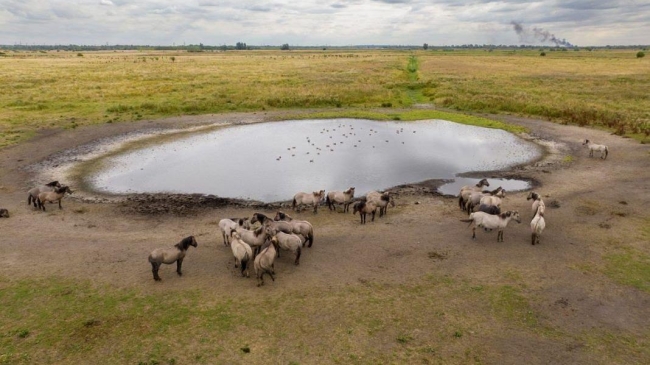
272	161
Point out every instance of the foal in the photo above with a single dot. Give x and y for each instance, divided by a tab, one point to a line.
170	255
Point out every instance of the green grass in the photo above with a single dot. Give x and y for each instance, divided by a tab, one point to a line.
629	268
603	88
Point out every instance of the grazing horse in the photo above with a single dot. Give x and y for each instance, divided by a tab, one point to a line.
4	213
32	197
242	253
308	199
302	228
287	241
604	151
381	200
170	255
53	196
537	225
537	201
466	190
340	197
264	261
364	208
489	222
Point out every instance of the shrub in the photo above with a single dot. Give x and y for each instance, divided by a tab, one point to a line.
542	54
80	54
640	54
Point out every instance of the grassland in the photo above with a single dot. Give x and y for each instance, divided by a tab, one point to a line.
66	89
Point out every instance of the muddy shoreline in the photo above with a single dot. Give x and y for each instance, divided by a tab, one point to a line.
61	165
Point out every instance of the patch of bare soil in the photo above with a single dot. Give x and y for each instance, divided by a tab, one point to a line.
109	242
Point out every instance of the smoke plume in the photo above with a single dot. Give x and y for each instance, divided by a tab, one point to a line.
537	34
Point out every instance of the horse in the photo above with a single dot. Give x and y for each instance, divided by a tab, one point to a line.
537	201
4	213
264	261
466	190
340	197
308	199
489	222
53	196
604	151
537	225
381	200
281	225
241	251
364	208
288	241
32	196
302	228
170	255
228	225
475	198
489	209
255	238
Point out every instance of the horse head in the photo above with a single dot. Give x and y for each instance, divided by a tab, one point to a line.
279	216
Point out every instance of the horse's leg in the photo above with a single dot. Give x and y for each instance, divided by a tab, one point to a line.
298	255
60	204
373	216
271	273
154	270
179	263
474	232
236	266
532	239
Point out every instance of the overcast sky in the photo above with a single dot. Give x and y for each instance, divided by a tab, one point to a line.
324	22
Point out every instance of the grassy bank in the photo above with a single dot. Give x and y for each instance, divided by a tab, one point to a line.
436	320
68	89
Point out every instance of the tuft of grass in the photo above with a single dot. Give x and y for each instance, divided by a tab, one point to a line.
629	268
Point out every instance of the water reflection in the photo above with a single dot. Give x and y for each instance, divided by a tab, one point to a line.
273	161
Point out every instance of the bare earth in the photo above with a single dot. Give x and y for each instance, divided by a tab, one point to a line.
603	207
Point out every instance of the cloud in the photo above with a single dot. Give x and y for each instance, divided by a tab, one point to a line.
323	22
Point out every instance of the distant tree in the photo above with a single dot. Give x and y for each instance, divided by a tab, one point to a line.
426	46
640	54
240	46
543	54
285	47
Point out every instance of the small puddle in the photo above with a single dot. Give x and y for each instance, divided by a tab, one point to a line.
453	188
272	161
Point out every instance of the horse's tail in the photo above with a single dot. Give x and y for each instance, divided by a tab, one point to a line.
606	152
327	200
460	201
294	203
310	237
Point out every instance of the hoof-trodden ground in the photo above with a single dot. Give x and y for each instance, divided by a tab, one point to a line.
76	287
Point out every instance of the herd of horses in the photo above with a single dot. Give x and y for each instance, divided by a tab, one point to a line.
263	244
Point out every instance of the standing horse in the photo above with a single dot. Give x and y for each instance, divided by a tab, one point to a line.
302	228
264	261
53	196
32	197
264	220
170	255
489	222
226	226
466	190
340	197
364	208
604	151
288	241
537	225
241	251
537	201
308	199
381	200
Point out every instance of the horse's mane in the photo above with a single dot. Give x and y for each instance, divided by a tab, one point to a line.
185	243
385	197
53	183
258	231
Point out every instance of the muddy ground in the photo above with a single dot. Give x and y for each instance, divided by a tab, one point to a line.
599	207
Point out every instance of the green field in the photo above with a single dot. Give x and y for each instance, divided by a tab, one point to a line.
604	88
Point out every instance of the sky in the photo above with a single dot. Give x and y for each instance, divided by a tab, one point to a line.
325	22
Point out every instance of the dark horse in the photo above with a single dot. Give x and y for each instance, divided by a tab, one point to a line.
170	255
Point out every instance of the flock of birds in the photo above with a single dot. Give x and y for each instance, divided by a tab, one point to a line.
346	132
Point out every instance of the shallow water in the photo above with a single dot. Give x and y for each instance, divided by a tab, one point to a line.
453	188
272	161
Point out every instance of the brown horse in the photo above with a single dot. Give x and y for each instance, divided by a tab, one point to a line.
170	255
